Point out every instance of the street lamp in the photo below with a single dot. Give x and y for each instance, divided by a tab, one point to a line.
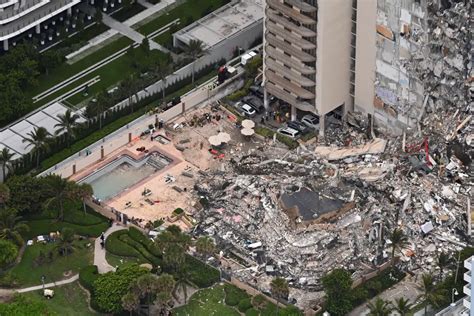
453	293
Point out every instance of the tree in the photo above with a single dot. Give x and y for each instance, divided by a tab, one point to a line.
23	305
173	244
379	308
8	253
165	286
444	261
50	59
83	191
182	281
399	240
97	107
61	190
130	302
431	293
98	16
337	285
402	306
4	194
251	68
66	238
131	88
11	226
6	159
109	288
205	246
145	45
39	138
67	124
27	193
161	70
193	50
146	287
279	289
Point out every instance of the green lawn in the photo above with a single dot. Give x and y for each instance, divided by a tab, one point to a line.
127	12
116	261
69	299
187	12
28	273
207	302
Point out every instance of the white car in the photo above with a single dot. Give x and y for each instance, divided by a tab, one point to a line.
289	132
247	110
311	121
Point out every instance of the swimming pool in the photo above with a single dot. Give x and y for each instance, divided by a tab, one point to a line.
122	173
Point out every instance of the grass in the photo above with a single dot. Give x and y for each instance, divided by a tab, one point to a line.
69	299
117	261
187	12
83	36
128	11
207	302
109	128
28	273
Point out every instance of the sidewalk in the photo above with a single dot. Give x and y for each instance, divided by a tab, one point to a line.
99	253
48	285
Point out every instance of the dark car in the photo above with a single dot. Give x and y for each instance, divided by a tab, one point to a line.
257	90
300	127
255	103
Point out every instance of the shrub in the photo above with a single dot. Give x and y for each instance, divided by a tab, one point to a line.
252	312
201	274
87	277
158	223
234	295
290	143
290	310
115	246
259	301
244	305
178	211
263	131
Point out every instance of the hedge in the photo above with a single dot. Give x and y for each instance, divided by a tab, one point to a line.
252	312
201	274
245	305
234	295
117	247
87	277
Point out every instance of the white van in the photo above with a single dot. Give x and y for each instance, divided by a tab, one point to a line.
289	132
247	57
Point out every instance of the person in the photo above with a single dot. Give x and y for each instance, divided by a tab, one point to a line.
262	119
102	236
161	123
102	244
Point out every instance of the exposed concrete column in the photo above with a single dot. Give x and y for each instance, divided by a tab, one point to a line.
265	98
322	125
38	28
293	113
5	44
69	11
92	2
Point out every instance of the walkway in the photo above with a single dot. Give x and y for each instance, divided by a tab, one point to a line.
48	285
99	253
145	4
130	33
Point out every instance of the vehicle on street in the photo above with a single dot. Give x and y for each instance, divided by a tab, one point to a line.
247	110
289	132
244	59
300	127
311	120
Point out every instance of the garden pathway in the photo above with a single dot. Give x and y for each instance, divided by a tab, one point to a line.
99	253
48	285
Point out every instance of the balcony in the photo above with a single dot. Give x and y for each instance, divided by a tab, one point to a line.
295	15
302	6
467	289
288	85
288	73
289	49
466	302
288	97
290	62
467	277
290	37
280	20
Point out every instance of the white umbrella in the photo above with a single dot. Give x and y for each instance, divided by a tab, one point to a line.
247	131
214	140
248	124
223	137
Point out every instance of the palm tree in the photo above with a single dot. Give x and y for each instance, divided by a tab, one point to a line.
130	302
205	246
193	50
380	308
173	244
403	306
146	287
399	240
431	293
131	88
4	194
61	190
39	138
67	123
444	261
96	108
162	69
279	289
11	226
66	239
6	161
165	286
182	281
83	191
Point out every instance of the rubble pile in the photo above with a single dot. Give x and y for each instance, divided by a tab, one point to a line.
426	195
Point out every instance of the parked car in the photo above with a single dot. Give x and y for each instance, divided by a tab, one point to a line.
247	110
255	103
289	132
311	120
300	127
257	90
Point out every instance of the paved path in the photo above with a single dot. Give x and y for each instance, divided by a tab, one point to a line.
130	33
145	4
48	285
99	253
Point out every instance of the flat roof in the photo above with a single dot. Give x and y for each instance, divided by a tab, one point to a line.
223	23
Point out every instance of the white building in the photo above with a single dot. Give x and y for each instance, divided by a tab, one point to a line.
468	302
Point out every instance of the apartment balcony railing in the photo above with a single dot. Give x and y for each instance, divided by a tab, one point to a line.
290	62
288	97
10	12
289	49
290	37
273	17
302	6
292	13
289	74
288	85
